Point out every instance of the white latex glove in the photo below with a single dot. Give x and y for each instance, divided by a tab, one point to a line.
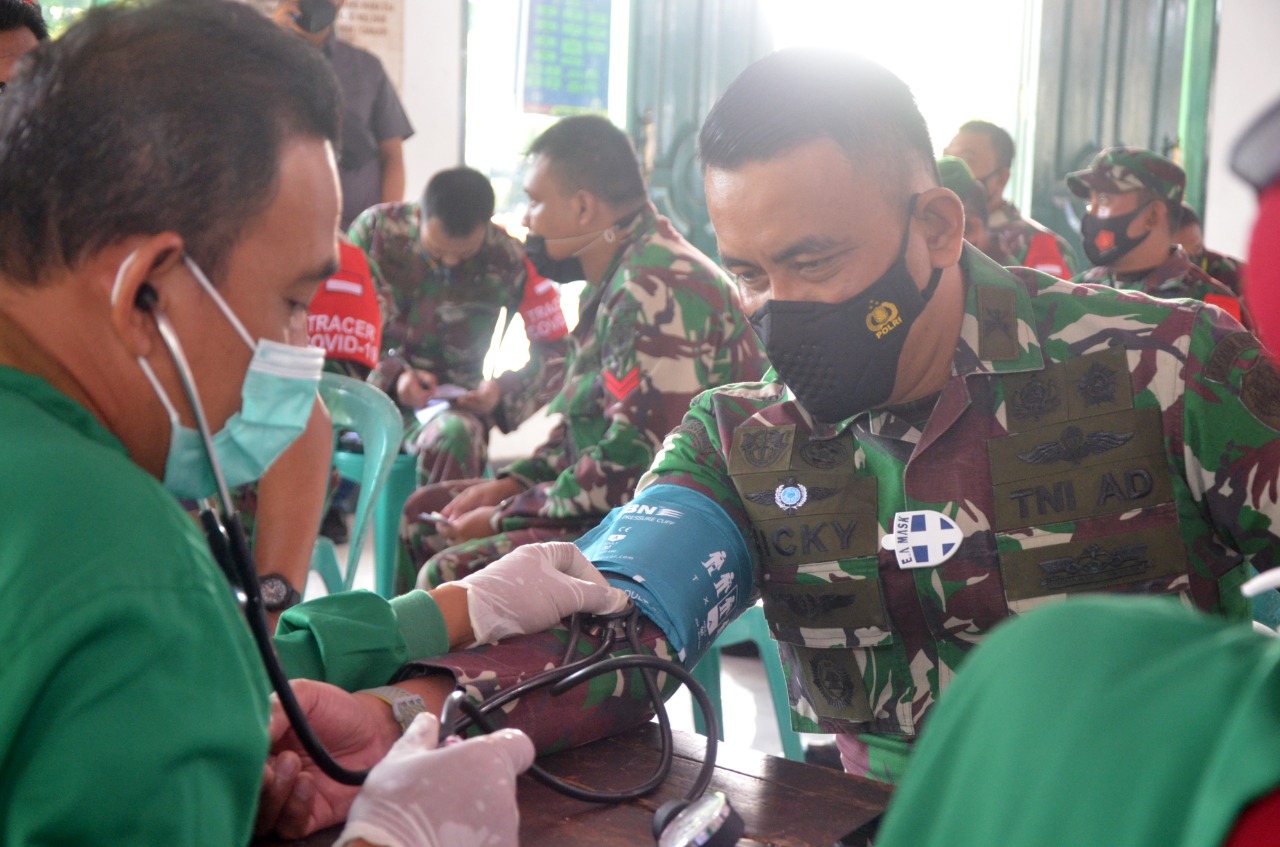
534	587
461	795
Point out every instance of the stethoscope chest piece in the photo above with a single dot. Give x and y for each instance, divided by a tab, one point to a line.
708	821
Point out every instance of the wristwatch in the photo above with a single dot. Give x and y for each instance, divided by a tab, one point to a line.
277	593
404	705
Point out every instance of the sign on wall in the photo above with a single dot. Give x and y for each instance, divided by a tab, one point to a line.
566	67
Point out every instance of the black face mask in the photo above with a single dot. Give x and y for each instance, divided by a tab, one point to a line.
315	15
1114	245
841	359
556	270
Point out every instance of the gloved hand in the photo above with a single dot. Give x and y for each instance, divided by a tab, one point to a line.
533	587
461	795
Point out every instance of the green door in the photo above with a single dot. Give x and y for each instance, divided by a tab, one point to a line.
684	53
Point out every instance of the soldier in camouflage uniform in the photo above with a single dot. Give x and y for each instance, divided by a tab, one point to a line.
1078	439
988	150
1223	268
1135	204
1053	439
445	274
659	323
956	176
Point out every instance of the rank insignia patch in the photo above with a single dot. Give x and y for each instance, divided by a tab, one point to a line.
620	387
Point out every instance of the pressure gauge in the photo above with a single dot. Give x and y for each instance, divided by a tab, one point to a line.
708	821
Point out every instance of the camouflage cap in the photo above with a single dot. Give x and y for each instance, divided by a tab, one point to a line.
955	175
1120	169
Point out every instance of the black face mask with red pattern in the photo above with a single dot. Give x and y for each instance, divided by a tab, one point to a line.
1106	240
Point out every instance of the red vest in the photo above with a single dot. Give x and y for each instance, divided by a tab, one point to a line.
344	317
1043	255
540	308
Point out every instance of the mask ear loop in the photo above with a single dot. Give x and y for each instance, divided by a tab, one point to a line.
171	343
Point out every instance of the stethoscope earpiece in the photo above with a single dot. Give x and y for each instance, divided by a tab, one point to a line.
147	298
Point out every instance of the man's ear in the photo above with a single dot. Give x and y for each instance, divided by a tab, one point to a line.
146	271
942	215
1158	217
585	207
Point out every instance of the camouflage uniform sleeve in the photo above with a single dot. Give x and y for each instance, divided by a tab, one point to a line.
693	456
654	360
1230	452
604	706
362	234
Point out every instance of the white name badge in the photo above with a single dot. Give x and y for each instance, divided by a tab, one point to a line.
922	539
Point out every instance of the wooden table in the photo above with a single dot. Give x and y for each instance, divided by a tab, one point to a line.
782	803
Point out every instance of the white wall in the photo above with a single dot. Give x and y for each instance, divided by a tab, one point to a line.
432	87
1246	81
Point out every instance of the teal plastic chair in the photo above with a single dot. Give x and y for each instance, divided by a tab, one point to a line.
361	408
751	627
400	480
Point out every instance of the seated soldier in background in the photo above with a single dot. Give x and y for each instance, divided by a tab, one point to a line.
658	323
447	275
1223	268
1135	205
1117	721
956	176
988	150
942	444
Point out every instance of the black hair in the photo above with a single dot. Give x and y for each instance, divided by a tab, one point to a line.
1189	216
16	14
796	96
1001	141
153	117
460	198
588	152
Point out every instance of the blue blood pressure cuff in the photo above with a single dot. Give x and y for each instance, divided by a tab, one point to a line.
681	559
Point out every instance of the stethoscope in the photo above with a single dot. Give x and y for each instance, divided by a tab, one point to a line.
697	819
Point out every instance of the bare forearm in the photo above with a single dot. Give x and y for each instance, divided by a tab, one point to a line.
391	152
291	499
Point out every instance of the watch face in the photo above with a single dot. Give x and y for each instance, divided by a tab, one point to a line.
275	592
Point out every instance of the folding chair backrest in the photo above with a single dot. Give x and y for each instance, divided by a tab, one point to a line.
367	411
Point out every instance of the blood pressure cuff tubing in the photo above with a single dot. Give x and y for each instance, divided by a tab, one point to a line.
678	555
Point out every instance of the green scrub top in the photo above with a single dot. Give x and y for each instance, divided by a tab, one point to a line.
1102	720
133	708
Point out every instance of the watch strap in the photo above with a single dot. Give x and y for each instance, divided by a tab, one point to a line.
405	706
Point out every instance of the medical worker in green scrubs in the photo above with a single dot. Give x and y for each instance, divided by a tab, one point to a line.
169	168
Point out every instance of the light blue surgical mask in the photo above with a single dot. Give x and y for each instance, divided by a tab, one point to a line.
276	397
